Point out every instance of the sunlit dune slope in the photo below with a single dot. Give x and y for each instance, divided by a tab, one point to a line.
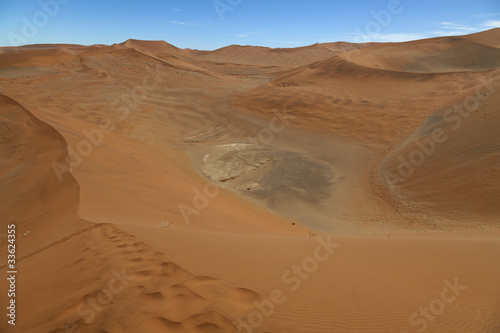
53	242
352	100
478	52
450	165
158	48
264	56
245	60
383	107
489	37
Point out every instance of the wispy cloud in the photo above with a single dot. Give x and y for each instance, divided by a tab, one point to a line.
491	24
453	28
189	24
177	9
443	29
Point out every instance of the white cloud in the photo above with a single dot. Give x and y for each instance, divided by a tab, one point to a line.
183	23
453	29
491	24
457	28
445	29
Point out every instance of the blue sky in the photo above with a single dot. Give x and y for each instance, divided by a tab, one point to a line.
209	24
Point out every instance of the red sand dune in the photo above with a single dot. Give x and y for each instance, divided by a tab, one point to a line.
330	188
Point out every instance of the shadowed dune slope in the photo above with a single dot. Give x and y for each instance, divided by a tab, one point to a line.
32	195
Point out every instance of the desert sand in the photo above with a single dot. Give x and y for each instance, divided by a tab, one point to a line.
331	188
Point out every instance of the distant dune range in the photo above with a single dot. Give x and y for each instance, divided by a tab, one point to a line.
204	176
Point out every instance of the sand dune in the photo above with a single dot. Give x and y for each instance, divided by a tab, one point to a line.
489	37
453	158
395	108
246	60
249	189
169	296
29	149
432	55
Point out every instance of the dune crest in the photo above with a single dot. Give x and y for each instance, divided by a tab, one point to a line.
477	52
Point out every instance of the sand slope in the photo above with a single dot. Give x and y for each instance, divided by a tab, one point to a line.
470	53
29	149
452	158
